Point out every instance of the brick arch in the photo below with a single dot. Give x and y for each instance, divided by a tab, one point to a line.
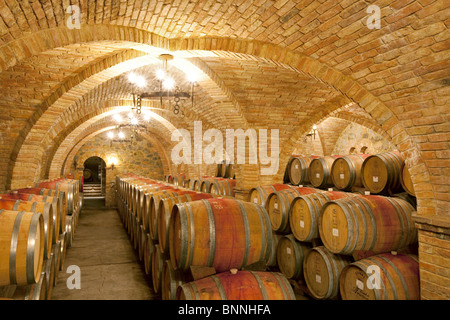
336	79
106	126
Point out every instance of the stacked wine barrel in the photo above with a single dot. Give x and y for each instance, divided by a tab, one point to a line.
200	246
38	225
338	244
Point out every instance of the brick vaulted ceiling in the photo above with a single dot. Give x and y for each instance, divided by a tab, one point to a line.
264	64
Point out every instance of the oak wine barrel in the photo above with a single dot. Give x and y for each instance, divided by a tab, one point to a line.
219	232
322	270
381	277
406	182
158	260
278	204
346	171
70	189
319	171
290	256
260	194
305	210
222	187
297	169
164	212
171	280
47	211
22	244
244	285
381	173
367	225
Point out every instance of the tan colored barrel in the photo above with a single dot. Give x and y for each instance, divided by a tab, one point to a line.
54	193
220	233
381	173
70	189
35	291
322	270
63	240
406	182
164	212
244	285
260	194
155	200
346	171
398	278
56	250
158	260
222	187
319	171
227	170
47	211
278	204
297	169
305	210
148	253
272	262
367	225
57	212
21	247
290	256
49	268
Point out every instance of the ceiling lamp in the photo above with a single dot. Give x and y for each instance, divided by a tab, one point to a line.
166	87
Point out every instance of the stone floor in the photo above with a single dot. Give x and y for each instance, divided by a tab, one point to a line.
109	268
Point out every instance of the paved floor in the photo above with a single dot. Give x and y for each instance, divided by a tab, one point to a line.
109	268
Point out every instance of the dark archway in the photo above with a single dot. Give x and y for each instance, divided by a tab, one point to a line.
94	177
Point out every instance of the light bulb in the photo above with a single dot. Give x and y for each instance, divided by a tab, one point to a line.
192	77
121	135
110	135
147	116
134	121
168	84
160	74
117	117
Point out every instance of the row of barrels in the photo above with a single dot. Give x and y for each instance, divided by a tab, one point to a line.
217	186
318	233
37	226
329	276
212	233
384	174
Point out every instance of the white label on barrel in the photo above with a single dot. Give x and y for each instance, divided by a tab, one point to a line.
359	284
275	205
317	175
318	279
288	250
255	200
375	179
296	166
302	224
342	176
335	232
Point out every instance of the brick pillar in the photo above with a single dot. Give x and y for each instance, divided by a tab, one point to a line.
434	256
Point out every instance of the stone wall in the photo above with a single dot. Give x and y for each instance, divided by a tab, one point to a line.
140	158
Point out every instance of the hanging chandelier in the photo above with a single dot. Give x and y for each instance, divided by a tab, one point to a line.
165	88
133	126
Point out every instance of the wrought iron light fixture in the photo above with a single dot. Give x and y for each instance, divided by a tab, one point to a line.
165	89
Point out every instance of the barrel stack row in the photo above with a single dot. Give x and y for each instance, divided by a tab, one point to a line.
383	174
37	225
336	244
203	246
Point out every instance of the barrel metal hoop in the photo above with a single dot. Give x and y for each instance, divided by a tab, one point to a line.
220	288
30	197
31	245
183	222
246	232
16	205
266	242
192	234
212	232
331	275
399	274
260	285
13	249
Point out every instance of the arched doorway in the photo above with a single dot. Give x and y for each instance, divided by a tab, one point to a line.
94	177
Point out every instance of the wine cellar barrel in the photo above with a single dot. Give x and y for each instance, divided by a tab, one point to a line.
244	285
381	173
290	256
346	171
322	271
23	233
260	194
278	205
239	234
319	172
297	169
367	224
381	277
305	211
406	182
222	187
